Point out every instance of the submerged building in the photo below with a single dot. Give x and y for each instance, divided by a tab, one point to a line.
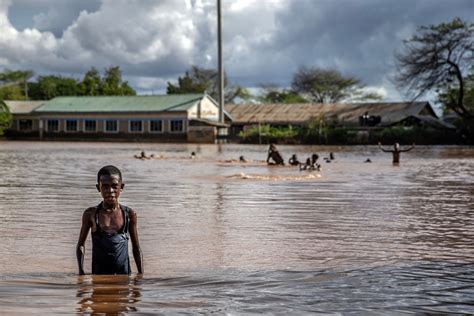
194	117
359	116
165	118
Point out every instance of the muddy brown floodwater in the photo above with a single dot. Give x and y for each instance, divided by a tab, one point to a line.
219	236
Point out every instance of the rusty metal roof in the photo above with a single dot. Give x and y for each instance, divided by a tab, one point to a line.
22	107
345	112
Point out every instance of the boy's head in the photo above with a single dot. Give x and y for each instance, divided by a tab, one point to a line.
109	184
109	171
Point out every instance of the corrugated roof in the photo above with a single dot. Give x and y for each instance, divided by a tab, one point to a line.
346	112
280	113
389	112
105	104
22	107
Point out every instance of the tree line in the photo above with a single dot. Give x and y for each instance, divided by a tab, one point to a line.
15	85
437	58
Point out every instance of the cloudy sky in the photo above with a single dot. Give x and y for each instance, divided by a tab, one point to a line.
265	41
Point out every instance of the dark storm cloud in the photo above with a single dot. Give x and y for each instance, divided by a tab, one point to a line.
356	37
155	41
49	15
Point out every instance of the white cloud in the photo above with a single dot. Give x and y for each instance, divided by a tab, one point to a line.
264	41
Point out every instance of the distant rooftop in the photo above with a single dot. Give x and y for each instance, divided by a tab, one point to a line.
104	104
348	112
22	107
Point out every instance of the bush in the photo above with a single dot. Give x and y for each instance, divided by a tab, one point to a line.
267	133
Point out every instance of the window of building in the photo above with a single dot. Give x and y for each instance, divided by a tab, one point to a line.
136	126
156	126
71	125
176	126
111	126
25	125
53	125
90	125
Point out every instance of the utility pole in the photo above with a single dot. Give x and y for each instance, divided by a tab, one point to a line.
220	62
221	131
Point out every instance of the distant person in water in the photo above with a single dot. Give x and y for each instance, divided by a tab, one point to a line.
314	162
111	225
331	156
193	155
242	159
294	160
275	156
307	165
143	155
396	151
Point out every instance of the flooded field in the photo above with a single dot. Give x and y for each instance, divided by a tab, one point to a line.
219	236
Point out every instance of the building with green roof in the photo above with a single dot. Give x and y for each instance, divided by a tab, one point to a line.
180	117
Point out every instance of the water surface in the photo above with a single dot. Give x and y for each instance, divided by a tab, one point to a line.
227	237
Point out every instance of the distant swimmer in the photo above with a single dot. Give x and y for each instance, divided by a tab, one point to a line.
143	155
311	163
331	156
193	155
314	162
274	155
396	151
368	160
307	165
241	160
294	160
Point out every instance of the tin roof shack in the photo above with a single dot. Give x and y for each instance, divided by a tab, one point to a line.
359	117
25	124
366	115
162	118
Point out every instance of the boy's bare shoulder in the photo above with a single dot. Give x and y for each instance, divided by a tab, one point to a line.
132	212
90	210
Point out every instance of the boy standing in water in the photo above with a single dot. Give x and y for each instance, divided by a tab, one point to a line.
111	224
396	151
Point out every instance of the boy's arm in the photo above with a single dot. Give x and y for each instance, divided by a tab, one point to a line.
384	150
80	248
137	253
408	149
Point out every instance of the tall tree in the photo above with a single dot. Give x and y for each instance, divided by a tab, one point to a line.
435	57
112	83
5	117
200	80
91	83
14	84
48	87
328	86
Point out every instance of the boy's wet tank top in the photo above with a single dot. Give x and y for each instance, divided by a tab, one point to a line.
110	251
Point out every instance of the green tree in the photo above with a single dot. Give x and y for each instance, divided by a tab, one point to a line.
449	95
48	87
11	92
200	80
321	85
5	117
112	83
14	84
91	83
274	94
438	56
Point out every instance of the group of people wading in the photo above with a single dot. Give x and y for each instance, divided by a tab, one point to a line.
275	158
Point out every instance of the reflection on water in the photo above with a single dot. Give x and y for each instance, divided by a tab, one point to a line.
108	294
225	237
